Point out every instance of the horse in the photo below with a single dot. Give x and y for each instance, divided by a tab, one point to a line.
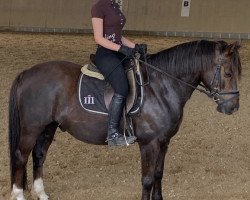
44	98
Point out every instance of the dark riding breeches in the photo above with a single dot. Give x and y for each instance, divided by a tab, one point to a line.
111	65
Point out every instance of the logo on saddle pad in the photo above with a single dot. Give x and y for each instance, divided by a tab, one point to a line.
89	100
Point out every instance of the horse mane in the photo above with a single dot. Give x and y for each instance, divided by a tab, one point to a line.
192	57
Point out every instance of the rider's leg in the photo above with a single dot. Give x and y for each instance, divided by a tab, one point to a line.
109	63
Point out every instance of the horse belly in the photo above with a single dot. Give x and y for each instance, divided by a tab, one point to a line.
86	127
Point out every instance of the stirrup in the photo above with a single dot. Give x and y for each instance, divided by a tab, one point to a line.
120	140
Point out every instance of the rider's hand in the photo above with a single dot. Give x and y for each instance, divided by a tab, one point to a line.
127	51
141	49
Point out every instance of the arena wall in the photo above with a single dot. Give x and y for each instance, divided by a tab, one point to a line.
224	18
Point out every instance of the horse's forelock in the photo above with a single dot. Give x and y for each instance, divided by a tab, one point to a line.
235	58
236	64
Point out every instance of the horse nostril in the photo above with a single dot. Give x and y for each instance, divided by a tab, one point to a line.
220	109
216	99
236	109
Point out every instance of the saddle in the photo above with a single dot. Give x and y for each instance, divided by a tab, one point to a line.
134	74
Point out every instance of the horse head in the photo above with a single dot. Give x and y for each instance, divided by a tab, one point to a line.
222	79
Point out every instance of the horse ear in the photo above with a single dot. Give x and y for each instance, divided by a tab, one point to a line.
232	48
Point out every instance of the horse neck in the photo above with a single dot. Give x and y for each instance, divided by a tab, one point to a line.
167	88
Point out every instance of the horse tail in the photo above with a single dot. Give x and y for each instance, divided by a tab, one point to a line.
14	131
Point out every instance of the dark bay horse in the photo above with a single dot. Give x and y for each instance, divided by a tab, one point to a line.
44	98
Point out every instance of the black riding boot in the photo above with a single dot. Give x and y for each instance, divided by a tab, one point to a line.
115	112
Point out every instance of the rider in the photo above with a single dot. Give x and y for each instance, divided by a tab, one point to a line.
111	55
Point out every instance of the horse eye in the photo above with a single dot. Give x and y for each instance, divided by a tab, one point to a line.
228	75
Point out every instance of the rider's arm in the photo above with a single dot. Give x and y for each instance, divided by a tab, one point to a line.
97	24
127	42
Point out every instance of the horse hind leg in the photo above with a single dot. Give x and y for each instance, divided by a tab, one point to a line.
19	157
39	155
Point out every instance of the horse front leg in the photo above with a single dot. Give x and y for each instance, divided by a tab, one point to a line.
149	155
157	187
39	155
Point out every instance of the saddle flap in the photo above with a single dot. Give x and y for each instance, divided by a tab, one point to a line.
108	94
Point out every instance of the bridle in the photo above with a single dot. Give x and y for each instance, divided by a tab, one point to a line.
215	93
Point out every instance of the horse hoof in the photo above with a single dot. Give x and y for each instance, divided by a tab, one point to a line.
35	196
17	194
37	191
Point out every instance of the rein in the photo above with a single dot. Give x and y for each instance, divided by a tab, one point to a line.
215	93
205	91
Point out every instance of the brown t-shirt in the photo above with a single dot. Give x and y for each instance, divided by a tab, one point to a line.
113	19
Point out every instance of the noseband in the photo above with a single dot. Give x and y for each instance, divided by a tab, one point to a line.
215	84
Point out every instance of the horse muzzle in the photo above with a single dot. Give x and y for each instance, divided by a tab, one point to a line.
228	106
227	110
